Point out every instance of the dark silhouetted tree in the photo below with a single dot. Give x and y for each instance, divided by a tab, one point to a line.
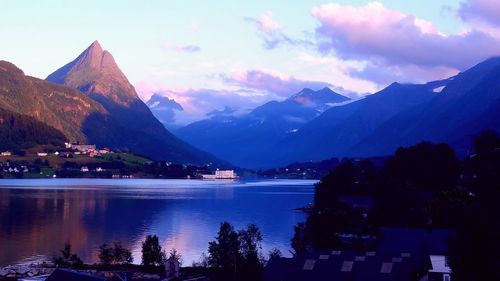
223	253
105	254
251	258
152	254
275	253
121	255
68	258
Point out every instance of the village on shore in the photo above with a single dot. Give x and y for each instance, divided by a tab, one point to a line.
89	161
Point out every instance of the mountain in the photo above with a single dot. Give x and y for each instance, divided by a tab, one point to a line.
321	99
468	104
335	131
164	109
64	109
134	128
452	111
19	131
240	138
95	73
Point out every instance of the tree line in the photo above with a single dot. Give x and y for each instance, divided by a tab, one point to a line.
425	186
234	255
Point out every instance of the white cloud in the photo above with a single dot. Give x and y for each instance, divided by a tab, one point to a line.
374	32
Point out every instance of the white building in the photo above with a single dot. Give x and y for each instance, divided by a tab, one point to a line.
221	174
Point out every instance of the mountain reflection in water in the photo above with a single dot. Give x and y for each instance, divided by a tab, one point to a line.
38	216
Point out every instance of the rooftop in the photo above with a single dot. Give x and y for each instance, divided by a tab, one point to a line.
345	265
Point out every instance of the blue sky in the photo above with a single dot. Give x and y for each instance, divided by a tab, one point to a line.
208	54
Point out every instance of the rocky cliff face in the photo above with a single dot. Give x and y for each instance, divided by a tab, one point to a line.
95	73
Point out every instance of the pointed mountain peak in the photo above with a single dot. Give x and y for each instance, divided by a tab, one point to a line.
96	44
97	58
95	71
327	90
94	48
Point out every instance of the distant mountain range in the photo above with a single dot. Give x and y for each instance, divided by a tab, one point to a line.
311	126
242	139
95	103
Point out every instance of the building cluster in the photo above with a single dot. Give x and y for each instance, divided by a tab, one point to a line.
402	254
87	149
86	169
12	168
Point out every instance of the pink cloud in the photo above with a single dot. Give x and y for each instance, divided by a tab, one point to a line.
481	10
197	103
265	22
273	82
390	37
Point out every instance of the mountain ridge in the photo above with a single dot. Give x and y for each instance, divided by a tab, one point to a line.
95	73
237	138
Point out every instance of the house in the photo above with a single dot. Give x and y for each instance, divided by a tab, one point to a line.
42	154
13	170
66	275
84	169
432	244
64	154
346	265
84	148
440	268
398	254
104	150
6	153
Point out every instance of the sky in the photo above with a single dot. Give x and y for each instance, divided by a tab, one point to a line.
211	54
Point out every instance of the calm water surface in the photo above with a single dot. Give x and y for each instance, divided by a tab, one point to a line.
38	216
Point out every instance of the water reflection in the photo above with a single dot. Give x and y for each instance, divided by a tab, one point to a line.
38	216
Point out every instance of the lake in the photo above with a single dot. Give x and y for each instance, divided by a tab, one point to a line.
37	216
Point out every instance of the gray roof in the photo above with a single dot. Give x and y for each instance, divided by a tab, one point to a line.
348	265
